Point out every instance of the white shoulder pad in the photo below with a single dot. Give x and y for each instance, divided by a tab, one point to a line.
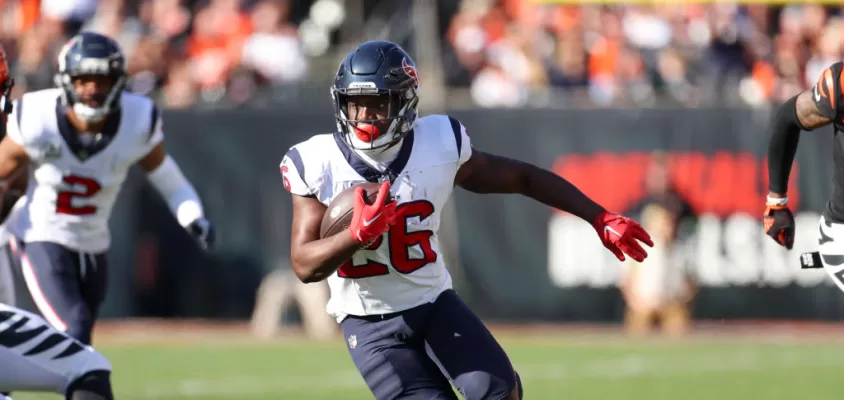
462	140
453	136
302	167
29	115
145	116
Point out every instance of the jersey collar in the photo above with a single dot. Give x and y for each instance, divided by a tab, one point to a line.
71	135
367	171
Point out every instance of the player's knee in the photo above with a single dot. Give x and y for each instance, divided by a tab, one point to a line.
95	385
483	385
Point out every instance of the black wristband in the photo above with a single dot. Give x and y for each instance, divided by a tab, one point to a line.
785	135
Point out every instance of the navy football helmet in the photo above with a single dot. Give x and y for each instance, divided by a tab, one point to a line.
91	54
376	69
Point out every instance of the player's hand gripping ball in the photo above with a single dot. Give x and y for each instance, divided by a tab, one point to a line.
367	211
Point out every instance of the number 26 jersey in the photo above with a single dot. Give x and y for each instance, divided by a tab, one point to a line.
403	268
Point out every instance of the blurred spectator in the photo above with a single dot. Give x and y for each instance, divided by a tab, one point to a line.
273	49
110	19
180	91
660	288
34	70
219	31
148	65
165	19
71	14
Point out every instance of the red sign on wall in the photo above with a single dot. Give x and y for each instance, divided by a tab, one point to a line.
723	183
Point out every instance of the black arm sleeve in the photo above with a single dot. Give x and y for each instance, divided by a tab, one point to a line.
828	96
785	136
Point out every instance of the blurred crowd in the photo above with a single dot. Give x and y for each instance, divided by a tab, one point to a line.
180	52
507	51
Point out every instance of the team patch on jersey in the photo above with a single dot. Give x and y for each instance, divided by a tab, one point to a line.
50	150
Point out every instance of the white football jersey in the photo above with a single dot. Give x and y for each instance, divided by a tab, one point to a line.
403	268
72	188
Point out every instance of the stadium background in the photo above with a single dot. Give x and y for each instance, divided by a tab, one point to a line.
591	91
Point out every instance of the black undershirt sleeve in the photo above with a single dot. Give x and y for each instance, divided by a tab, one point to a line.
828	96
782	147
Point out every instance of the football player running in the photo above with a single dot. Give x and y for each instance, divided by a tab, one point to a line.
35	356
77	142
407	331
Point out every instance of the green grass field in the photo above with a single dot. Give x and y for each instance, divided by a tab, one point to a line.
553	365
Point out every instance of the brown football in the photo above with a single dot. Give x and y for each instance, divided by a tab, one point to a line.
338	215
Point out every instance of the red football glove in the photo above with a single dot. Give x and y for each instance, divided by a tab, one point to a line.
369	221
620	234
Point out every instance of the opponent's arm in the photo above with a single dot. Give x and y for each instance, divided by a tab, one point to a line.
808	110
798	113
14	160
181	197
13	164
314	259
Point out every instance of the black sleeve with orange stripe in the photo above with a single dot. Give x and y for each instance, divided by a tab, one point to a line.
828	93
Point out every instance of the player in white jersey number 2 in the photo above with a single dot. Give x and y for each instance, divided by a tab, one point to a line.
77	143
35	356
407	331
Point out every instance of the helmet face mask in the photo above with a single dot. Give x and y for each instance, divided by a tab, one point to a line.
375	121
92	75
375	95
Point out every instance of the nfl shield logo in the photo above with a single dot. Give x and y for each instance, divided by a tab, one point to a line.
353	341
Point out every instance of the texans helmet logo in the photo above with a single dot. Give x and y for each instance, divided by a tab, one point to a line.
409	70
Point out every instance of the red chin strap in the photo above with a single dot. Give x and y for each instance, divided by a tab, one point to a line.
366	132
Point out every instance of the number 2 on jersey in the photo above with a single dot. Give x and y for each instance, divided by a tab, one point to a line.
400	242
64	200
